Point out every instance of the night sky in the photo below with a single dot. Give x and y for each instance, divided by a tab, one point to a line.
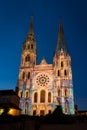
14	26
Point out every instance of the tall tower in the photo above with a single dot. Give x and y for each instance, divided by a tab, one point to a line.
28	60
63	74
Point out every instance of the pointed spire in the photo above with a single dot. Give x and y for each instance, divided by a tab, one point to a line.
61	43
31	28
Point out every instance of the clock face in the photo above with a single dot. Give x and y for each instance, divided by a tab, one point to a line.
42	80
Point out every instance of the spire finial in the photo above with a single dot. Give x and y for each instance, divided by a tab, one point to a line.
31	28
60	31
31	25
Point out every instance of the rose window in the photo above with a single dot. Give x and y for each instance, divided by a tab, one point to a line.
42	80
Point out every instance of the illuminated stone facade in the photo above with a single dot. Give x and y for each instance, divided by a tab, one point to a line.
42	87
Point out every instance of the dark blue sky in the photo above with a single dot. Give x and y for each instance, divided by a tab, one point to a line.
14	25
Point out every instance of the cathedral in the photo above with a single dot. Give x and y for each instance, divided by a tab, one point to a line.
41	87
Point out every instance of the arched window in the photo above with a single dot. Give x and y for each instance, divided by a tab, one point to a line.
66	92
62	64
42	96
58	72
28	75
23	75
27	58
49	97
26	94
20	94
31	46
65	72
66	107
59	92
35	97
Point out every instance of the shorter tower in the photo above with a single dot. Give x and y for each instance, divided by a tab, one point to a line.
42	87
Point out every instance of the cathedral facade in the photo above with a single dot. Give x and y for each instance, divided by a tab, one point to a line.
41	87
